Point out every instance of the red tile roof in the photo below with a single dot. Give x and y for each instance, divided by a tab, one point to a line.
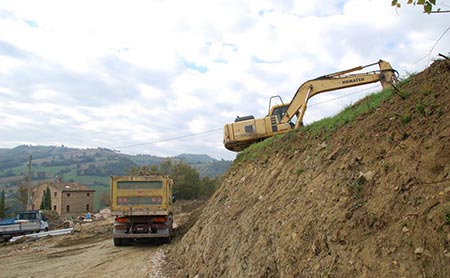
68	186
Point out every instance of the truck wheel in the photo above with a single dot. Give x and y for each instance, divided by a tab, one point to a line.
167	239
118	242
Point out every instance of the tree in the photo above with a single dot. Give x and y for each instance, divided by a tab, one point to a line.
208	186
166	167
46	202
186	179
2	205
104	198
22	194
428	5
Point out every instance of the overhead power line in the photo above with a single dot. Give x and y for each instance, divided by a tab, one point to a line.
168	139
220	128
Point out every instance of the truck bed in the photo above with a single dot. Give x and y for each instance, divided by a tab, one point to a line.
20	227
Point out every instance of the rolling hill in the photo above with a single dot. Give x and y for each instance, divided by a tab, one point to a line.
91	167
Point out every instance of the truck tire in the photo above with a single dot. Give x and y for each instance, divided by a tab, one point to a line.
167	239
122	241
118	242
126	241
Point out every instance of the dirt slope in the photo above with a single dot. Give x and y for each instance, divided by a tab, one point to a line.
370	199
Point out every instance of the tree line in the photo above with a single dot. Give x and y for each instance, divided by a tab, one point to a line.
187	182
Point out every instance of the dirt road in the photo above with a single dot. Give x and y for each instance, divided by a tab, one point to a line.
89	253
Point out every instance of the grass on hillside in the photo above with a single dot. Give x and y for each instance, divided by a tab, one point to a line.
367	105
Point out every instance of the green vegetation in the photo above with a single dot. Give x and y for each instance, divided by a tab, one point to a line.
427	4
2	205
187	181
447	218
90	167
420	107
349	114
405	118
356	189
255	150
299	171
46	203
373	219
403	94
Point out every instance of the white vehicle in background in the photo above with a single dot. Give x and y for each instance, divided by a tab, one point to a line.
25	222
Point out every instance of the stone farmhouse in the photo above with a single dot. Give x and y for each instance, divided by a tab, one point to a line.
67	199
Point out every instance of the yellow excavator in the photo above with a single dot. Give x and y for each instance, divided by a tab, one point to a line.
281	118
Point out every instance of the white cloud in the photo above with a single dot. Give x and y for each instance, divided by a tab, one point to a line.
8	64
109	74
149	92
198	125
44	94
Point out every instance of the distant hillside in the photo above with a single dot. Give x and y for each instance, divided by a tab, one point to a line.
91	167
195	158
205	165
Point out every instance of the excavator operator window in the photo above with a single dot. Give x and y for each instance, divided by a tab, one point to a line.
279	112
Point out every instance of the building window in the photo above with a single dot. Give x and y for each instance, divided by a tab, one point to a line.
87	194
54	194
54	207
87	207
68	194
67	208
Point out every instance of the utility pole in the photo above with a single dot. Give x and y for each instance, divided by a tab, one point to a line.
29	184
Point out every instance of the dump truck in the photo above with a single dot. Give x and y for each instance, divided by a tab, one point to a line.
142	207
284	117
25	222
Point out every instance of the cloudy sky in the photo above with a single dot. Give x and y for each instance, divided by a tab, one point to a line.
129	75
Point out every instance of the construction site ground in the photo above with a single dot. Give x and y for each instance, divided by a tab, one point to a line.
88	252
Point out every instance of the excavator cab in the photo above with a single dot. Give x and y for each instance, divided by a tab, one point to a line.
279	111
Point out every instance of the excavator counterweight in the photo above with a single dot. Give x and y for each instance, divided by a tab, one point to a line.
248	130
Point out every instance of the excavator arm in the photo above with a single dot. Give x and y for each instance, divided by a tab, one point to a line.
248	130
335	81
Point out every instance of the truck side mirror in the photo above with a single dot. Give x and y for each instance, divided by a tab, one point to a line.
174	198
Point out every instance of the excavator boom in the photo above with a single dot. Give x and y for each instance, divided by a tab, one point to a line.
248	130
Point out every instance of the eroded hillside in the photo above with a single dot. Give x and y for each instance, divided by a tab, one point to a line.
369	199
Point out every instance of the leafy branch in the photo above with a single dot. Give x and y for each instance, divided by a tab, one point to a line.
427	5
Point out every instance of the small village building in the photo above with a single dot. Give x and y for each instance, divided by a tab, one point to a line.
67	199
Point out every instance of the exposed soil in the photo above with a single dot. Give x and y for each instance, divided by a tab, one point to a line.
86	253
370	200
